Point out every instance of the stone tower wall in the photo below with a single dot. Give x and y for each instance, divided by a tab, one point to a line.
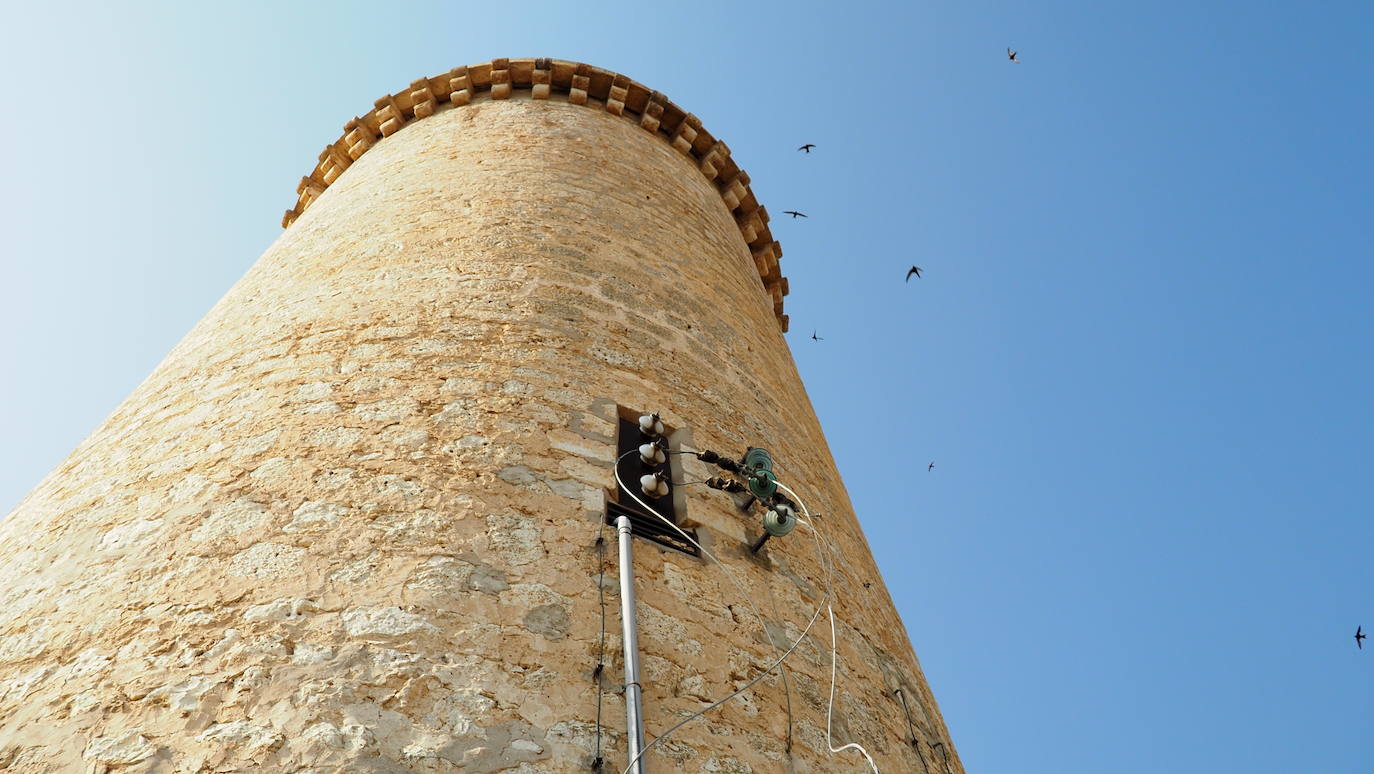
350	523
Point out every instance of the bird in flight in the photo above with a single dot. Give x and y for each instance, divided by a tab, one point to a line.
913	270
1359	635
1012	56
814	337
807	147
794	214
931	466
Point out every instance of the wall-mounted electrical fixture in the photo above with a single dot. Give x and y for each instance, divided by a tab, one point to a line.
654	484
651	426
652	453
780	520
756	468
644	463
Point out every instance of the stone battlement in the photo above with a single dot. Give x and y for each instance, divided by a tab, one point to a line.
578	84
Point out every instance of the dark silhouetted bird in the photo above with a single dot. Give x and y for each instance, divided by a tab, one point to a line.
1359	635
794	214
913	270
931	466
1012	56
807	147
814	337
868	584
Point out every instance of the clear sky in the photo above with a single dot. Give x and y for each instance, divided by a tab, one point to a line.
1141	357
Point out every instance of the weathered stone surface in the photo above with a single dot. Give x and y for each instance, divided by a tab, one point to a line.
241	734
314	516
350	523
129	747
280	610
184	696
230	519
549	620
384	622
129	535
266	560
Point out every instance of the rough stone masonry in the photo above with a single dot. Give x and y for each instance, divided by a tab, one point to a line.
349	524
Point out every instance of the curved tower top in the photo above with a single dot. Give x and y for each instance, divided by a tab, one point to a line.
578	84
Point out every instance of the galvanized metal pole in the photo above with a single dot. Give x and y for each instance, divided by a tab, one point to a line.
634	720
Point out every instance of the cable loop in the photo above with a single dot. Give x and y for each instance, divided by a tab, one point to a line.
778	664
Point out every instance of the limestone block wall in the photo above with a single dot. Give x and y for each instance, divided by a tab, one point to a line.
350	523
579	84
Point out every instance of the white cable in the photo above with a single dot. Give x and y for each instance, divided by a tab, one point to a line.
833	646
719	702
730	576
829	566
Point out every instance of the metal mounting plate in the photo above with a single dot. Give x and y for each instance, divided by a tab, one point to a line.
652	528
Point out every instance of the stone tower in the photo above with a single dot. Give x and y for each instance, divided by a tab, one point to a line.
351	522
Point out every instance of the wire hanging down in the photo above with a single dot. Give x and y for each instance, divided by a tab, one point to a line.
778	664
834	649
825	554
598	761
909	725
943	754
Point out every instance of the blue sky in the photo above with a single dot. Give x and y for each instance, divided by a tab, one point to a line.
1140	357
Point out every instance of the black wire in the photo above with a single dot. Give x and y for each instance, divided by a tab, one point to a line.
910	726
944	754
598	761
782	668
787	691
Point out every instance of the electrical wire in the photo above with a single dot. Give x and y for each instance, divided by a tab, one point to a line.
747	599
828	566
826	602
598	762
834	649
719	702
944	755
901	694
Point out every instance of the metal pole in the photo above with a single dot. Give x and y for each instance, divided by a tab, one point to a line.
634	723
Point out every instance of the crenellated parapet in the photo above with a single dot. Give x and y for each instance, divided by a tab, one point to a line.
578	84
